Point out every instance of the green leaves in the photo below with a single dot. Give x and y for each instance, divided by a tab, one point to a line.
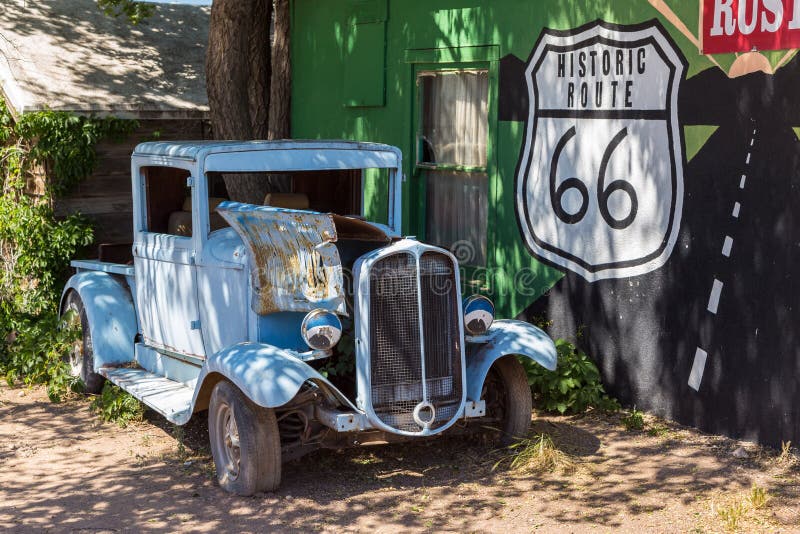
573	387
634	420
6	122
36	249
343	361
35	246
135	12
115	404
36	353
66	143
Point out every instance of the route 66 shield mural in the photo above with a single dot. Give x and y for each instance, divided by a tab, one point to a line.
599	187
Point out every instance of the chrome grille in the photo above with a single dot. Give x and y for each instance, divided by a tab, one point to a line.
440	327
395	350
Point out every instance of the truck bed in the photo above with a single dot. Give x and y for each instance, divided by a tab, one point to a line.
103	266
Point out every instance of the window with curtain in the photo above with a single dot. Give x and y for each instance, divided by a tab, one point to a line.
452	137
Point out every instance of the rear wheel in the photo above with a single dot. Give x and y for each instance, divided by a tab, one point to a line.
508	399
81	355
245	442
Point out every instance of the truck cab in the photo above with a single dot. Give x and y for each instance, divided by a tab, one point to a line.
295	322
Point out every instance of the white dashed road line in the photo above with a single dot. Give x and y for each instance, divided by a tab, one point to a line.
698	366
726	246
700	356
713	299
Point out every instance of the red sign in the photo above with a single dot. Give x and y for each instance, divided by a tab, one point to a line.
744	25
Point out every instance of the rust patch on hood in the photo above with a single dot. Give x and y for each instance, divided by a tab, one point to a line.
294	264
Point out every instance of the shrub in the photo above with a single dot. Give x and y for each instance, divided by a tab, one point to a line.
35	245
634	420
115	404
573	387
35	249
37	354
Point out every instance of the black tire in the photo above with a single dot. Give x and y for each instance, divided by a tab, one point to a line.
247	455
508	399
81	358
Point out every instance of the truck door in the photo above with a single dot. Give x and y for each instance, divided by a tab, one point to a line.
164	260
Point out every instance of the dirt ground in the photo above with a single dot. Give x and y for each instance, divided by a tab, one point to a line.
62	470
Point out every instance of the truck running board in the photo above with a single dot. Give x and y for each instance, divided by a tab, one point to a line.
171	399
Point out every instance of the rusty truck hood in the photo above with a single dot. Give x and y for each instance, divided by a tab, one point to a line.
294	264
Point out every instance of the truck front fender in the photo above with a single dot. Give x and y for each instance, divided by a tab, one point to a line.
268	375
111	314
506	337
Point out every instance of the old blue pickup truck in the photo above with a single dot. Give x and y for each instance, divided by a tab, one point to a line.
296	324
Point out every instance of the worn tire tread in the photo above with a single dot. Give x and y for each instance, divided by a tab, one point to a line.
519	403
259	442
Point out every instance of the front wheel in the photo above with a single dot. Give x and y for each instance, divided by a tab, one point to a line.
508	399
245	442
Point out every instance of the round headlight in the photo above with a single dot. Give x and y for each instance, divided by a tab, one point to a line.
478	315
321	329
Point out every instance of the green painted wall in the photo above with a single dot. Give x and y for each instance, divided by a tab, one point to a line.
337	64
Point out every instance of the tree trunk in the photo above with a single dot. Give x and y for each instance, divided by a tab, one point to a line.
238	74
280	93
280	97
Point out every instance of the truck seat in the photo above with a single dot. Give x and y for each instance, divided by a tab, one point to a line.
180	222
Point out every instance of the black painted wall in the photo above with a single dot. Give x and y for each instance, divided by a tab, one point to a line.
645	330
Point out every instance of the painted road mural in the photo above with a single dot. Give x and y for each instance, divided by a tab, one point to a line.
642	187
708	333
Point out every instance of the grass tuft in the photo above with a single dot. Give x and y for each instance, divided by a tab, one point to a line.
758	498
737	511
732	515
787	456
537	453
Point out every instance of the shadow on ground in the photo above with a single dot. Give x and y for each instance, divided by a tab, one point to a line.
62	470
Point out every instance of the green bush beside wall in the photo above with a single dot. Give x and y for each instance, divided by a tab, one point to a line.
58	150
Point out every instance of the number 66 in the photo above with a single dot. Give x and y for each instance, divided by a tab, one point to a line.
603	191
